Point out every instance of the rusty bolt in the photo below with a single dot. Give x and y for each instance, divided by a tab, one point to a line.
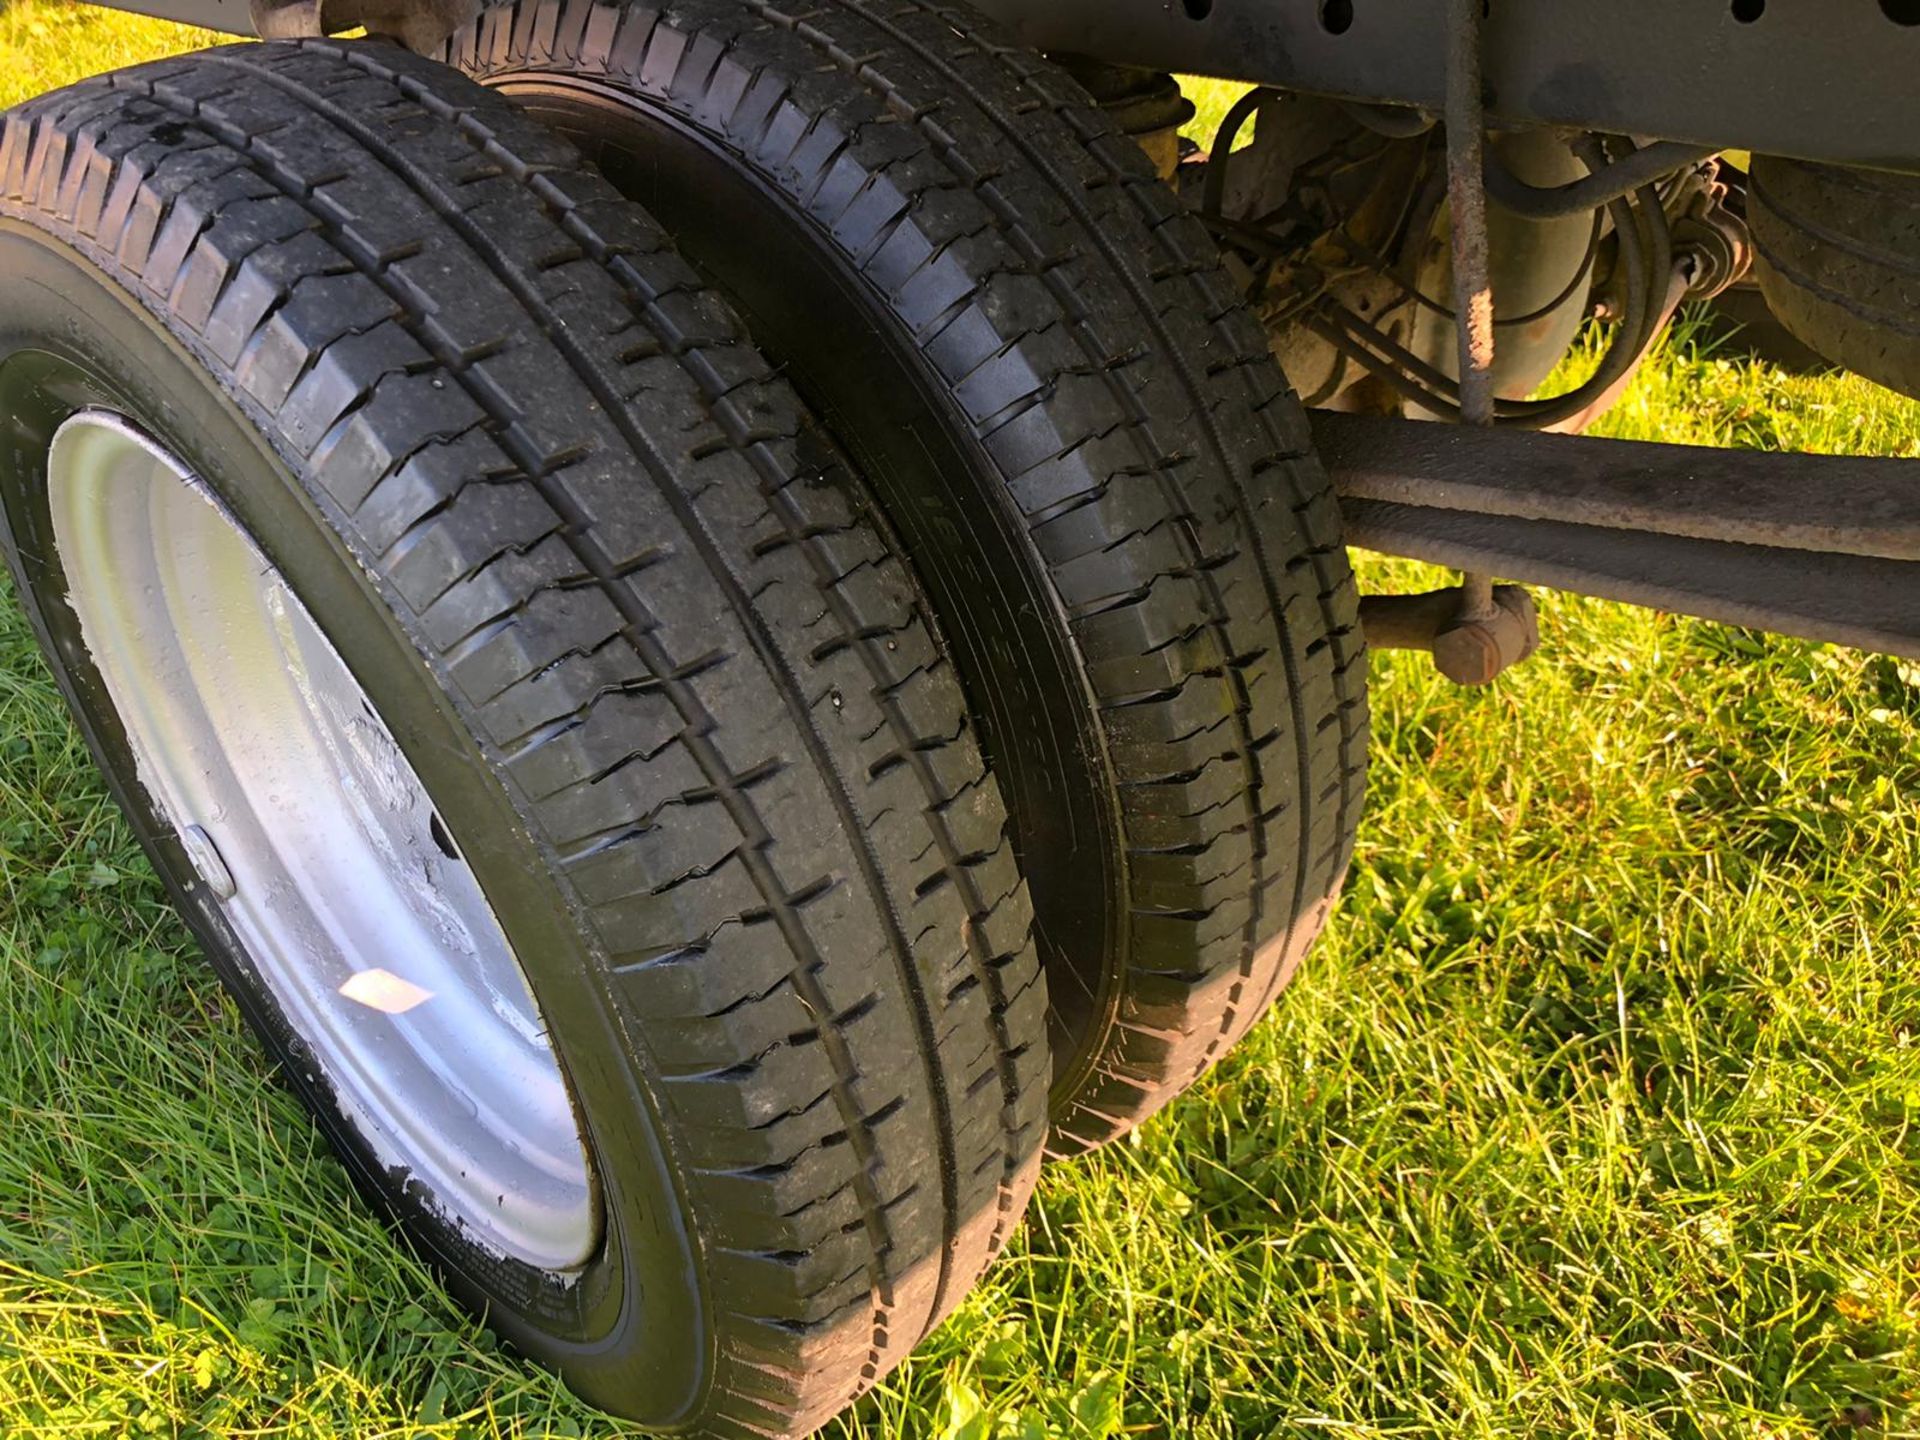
1473	652
1472	634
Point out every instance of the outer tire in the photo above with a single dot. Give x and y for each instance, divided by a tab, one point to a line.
1077	428
631	622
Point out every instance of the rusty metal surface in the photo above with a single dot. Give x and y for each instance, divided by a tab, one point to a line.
1502	632
1467	205
1823	547
1844	599
1848	505
1485	635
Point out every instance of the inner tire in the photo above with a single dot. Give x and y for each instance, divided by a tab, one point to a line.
628	620
1076	427
1837	256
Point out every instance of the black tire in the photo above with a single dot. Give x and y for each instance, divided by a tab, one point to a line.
627	616
1837	256
1079	433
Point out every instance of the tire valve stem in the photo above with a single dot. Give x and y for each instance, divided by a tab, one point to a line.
207	864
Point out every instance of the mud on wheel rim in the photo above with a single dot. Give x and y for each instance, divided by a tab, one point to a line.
300	813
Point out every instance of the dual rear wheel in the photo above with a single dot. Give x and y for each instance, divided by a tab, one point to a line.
644	781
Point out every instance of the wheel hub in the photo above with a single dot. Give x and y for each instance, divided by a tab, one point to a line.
313	833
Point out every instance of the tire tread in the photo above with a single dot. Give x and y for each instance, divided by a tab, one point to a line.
716	693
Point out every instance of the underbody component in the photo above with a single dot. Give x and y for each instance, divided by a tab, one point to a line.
1341	232
1724	535
417	24
1475	646
1839	263
1467	210
1653	262
1144	104
1341	221
1716	75
1474	631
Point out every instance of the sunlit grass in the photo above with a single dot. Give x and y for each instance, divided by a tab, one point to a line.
1595	1115
45	44
1211	101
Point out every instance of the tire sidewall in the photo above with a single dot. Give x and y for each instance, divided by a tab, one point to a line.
70	338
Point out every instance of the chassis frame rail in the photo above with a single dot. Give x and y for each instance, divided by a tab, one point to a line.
1818	79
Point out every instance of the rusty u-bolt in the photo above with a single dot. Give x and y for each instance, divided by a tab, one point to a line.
1477	631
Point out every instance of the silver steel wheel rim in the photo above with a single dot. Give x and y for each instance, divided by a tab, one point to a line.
321	845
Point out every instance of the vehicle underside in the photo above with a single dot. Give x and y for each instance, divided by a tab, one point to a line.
829	525
1608	198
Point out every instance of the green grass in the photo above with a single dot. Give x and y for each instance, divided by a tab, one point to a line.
1211	101
1598	1112
48	43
